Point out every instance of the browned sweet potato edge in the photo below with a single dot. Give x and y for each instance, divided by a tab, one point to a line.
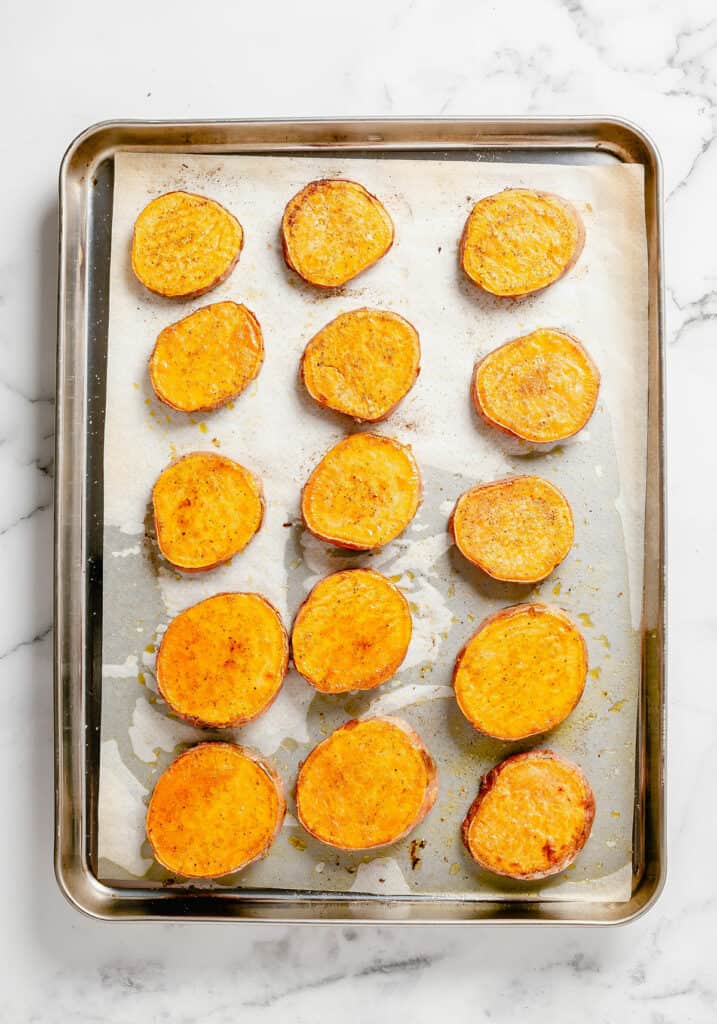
579	243
313	186
347	544
223	401
213	565
514	433
327	405
488	782
507	613
355	686
494	483
199	291
242	719
268	769
430	795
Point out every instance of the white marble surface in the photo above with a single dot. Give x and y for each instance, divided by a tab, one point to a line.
65	66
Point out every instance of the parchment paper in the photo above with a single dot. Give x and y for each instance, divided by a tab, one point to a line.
276	431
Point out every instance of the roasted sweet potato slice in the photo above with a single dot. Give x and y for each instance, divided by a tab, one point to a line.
519	241
522	672
352	632
332	230
367	785
363	493
362	363
206	509
207	358
183	245
515	530
216	809
532	816
222	661
542	387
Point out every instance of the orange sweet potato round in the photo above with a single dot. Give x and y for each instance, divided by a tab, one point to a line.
184	245
516	530
532	816
363	493
222	661
207	358
332	230
522	672
206	509
542	387
216	809
352	632
367	785
362	363
519	241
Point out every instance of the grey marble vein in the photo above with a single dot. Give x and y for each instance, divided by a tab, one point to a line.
384	968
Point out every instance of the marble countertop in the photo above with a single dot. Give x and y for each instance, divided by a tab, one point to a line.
66	66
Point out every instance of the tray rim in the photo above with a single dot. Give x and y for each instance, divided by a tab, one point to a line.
84	155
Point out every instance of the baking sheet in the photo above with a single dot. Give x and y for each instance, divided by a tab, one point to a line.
277	432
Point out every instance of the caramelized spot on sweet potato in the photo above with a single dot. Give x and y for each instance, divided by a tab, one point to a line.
542	387
367	785
207	358
352	632
222	661
332	230
362	363
216	809
363	493
516	529
522	672
532	816
519	241
206	509
183	245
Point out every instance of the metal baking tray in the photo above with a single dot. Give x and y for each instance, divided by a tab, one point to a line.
86	188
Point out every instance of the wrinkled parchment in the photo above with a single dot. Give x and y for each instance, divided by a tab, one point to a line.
276	431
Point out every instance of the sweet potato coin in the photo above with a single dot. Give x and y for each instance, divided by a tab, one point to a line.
206	509
515	530
367	785
519	241
216	809
222	661
363	493
207	358
352	632
542	387
332	230
522	672
362	363
183	245
532	816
